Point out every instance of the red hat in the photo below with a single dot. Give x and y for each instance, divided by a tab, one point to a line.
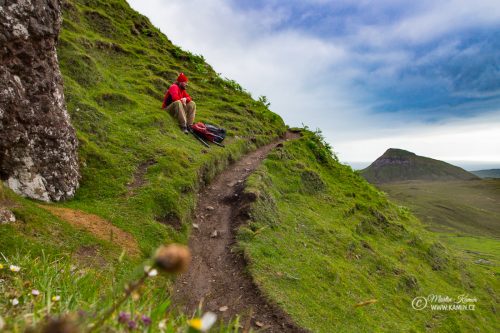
182	78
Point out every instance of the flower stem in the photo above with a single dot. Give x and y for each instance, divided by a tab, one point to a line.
128	291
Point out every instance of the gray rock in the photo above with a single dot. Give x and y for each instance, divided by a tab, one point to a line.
483	262
6	216
38	145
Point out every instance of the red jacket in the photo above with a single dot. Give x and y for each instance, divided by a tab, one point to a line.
174	93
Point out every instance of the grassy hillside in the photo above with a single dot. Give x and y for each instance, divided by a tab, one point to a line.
467	207
324	244
140	173
491	173
465	213
400	165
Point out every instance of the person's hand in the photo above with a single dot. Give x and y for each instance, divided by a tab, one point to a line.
183	100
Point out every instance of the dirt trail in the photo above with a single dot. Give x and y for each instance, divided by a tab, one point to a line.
216	276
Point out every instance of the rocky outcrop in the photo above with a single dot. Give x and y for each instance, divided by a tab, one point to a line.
38	145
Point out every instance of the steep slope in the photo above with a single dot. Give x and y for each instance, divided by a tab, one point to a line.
398	165
140	174
116	67
339	257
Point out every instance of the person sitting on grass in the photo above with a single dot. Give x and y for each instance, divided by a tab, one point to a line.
179	104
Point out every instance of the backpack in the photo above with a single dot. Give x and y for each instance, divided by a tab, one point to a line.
209	132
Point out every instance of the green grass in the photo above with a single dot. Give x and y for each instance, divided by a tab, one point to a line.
321	240
469	207
75	287
465	213
476	250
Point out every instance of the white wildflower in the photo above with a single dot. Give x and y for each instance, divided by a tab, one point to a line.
14	268
207	321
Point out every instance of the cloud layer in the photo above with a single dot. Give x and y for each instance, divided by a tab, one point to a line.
359	70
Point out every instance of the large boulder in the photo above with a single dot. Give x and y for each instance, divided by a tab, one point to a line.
38	145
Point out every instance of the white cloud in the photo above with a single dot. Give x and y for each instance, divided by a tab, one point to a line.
455	140
430	22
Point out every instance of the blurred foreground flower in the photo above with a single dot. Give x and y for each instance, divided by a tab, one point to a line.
132	324
150	272
123	317
14	268
1	266
204	323
35	292
14	301
162	325
56	298
172	258
146	320
60	325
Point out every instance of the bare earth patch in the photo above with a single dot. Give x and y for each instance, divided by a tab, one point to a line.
89	256
97	226
217	277
139	177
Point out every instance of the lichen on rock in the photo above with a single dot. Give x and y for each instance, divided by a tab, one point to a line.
38	145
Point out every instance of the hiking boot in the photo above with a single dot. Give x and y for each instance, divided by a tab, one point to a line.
185	130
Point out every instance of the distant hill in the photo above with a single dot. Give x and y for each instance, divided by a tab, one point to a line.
491	173
399	165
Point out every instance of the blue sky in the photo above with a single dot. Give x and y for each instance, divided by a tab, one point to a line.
422	76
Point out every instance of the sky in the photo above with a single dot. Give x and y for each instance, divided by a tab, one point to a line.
371	75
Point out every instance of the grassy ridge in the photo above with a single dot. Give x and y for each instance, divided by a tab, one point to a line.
334	241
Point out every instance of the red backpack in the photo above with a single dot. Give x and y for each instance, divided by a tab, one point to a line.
209	132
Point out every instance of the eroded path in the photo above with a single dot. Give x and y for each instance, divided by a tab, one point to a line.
217	276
